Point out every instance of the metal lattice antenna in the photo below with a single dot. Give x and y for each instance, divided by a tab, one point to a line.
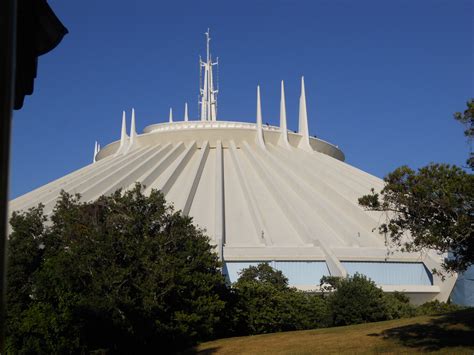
208	96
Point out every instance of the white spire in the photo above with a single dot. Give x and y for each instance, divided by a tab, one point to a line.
303	120
186	112
96	150
283	124
124	143
171	115
260	140
133	131
207	94
123	134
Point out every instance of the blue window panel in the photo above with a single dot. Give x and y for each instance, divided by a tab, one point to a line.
391	273
232	269
302	272
297	272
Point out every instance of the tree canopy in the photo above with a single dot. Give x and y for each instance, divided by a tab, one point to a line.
264	274
432	208
124	273
467	118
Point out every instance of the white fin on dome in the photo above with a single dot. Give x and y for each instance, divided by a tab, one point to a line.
283	124
260	140
303	121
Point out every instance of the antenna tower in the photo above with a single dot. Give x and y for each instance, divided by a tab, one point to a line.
207	94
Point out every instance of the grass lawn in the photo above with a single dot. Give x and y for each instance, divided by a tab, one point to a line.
444	334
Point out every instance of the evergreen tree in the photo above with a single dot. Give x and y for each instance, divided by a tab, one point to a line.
124	273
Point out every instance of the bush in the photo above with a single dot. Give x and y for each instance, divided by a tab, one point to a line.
357	300
266	304
399	305
124	273
436	307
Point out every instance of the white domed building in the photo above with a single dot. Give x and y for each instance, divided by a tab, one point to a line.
263	193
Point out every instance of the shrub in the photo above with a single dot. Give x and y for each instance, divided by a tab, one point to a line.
357	300
266	304
399	305
436	307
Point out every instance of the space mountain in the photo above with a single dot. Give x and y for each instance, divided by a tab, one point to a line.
263	193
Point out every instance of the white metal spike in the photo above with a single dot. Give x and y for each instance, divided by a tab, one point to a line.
303	120
132	142
133	131
283	124
171	115
186	112
124	141
95	152
260	140
123	134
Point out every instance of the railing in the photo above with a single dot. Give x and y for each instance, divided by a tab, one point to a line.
182	125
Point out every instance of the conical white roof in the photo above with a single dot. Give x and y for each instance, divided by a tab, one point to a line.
272	203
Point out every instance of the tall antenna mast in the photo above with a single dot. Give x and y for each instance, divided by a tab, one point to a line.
208	96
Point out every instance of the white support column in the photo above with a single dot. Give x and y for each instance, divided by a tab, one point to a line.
186	112
133	129
219	203
171	115
283	125
95	152
260	140
123	133
303	121
123	136
132	143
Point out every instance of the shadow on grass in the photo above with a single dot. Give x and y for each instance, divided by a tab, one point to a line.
194	350
446	331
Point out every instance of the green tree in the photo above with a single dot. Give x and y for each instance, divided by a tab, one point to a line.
357	300
265	274
467	119
124	273
266	304
432	208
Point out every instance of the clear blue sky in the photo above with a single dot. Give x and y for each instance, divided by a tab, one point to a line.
382	77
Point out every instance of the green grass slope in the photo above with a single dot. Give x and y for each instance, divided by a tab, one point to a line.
451	333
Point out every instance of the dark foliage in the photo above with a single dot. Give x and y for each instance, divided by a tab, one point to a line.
467	118
357	300
263	274
436	307
399	306
124	273
434	206
266	304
